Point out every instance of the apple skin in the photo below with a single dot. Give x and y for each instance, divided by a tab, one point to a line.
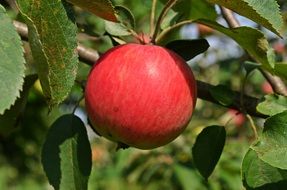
142	96
266	88
238	119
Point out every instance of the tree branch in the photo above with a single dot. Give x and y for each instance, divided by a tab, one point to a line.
90	56
276	83
87	55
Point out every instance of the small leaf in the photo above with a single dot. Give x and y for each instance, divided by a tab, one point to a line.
12	63
272	104
52	37
66	154
272	145
101	8
271	57
125	16
265	12
222	94
125	24
116	29
250	66
188	49
281	70
256	44
208	148
194	9
257	173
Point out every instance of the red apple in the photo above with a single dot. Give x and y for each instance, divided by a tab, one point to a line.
266	88
238	119
140	95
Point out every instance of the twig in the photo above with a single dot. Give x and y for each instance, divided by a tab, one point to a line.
91	56
171	28
253	126
152	16
279	87
163	13
229	17
86	54
250	103
276	83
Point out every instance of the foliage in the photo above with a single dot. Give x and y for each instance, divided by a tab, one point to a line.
42	106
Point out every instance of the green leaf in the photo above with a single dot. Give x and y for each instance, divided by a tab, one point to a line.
116	29
52	37
255	44
194	9
266	13
222	94
188	49
281	70
125	16
250	66
185	176
208	148
124	26
11	117
272	145
271	57
101	8
256	173
12	63
272	104
66	154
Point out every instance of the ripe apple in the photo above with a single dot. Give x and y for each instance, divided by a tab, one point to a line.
266	88
238	119
140	95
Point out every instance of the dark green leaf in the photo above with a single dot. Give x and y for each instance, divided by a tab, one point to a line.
222	94
250	66
52	37
12	63
252	40
101	8
281	70
208	148
10	119
272	104
66	154
125	16
272	145
265	12
188	49
257	173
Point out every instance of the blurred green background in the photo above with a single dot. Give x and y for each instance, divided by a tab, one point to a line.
169	167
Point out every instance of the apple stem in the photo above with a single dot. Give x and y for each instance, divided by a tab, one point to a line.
163	13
